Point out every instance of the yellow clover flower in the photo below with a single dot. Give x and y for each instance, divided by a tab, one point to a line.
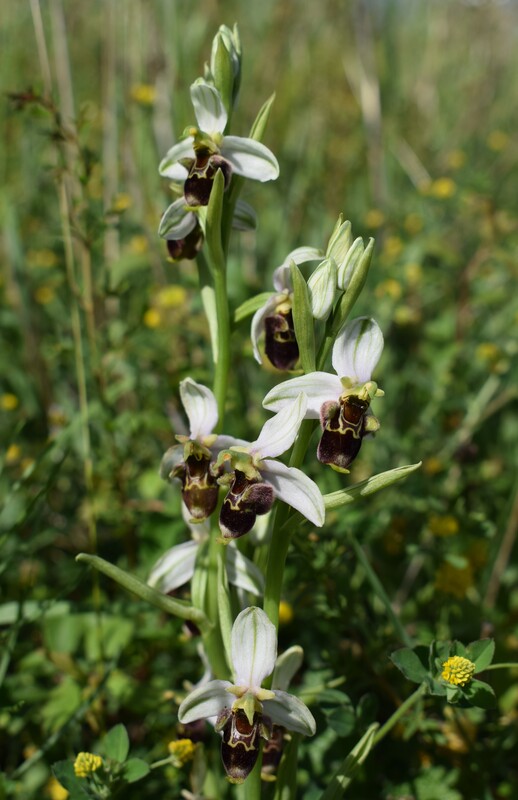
183	751
458	670
87	763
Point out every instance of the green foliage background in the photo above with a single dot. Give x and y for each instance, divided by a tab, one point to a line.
401	115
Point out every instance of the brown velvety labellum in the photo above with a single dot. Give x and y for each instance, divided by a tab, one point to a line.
199	488
280	343
198	185
343	425
245	500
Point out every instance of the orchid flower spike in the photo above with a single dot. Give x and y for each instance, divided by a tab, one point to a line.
191	461
195	160
275	316
256	479
341	401
246	712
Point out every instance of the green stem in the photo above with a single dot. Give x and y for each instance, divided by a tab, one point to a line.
396	716
380	591
280	541
222	363
213	640
503	665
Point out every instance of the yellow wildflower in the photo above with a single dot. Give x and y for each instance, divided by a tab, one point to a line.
86	763
390	287
285	612
442	188
456	159
497	141
392	246
488	351
139	244
454	580
183	751
122	202
42	258
13	454
413	273
374	218
443	525
413	223
55	790
44	295
143	93
458	670
433	465
152	318
172	297
8	402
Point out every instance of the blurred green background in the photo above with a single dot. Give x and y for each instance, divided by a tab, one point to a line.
399	114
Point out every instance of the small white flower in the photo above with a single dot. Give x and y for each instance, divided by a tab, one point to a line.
206	149
279	306
191	461
244	710
258	479
342	400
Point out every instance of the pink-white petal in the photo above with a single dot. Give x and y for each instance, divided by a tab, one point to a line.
257	326
357	350
279	432
319	387
209	110
291	713
293	487
206	701
169	166
200	406
254	648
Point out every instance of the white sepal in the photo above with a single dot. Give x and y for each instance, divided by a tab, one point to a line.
279	432
282	278
200	406
357	350
169	167
257	324
290	712
254	648
322	288
293	487
176	222
250	159
287	664
243	573
352	259
317	386
210	113
206	701
175	567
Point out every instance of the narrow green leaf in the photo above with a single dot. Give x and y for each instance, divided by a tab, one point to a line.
412	663
258	128
135	769
481	653
344	775
370	486
250	306
116	743
213	223
303	320
178	608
